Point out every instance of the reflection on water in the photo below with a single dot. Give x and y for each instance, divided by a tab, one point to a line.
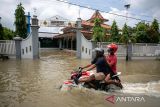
34	83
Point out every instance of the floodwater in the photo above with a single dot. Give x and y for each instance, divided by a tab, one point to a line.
35	83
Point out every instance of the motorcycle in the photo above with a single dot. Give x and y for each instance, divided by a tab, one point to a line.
95	84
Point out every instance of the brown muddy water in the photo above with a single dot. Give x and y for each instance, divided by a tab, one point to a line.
35	83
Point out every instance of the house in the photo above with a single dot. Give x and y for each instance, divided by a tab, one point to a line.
50	27
69	33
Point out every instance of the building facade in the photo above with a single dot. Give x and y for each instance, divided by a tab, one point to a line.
68	38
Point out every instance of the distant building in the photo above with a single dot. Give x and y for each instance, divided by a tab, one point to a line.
48	26
55	21
87	26
69	35
46	40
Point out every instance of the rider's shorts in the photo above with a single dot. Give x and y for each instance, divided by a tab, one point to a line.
99	76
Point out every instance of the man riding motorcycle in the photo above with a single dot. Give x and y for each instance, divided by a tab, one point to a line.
112	61
102	68
111	57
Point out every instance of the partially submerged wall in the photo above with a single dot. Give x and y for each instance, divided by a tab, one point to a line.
29	47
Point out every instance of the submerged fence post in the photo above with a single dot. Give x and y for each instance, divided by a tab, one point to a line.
129	52
18	41
78	38
94	45
35	41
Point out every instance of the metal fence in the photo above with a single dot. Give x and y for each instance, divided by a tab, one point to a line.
7	47
138	49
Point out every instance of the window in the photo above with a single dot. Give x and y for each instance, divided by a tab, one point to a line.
86	50
89	51
82	48
30	48
23	51
26	50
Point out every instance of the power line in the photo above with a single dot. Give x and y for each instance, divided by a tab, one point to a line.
104	6
102	10
66	2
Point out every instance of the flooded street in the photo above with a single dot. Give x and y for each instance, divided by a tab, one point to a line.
35	83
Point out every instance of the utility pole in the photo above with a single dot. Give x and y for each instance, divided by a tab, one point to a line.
128	54
79	13
127	6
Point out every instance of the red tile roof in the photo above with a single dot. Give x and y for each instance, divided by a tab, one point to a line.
86	23
69	32
97	15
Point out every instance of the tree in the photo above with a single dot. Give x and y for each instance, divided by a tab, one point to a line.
146	33
141	34
1	32
131	30
155	25
125	34
8	34
114	32
132	34
153	35
125	38
98	31
20	21
153	32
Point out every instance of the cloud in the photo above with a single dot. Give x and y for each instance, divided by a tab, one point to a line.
44	9
119	19
7	10
6	15
148	7
48	8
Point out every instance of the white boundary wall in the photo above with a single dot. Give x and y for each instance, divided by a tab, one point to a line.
86	48
138	49
7	47
26	47
145	49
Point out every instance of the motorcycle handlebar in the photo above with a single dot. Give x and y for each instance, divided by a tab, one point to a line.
80	69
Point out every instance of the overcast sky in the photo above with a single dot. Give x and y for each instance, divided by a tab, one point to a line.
143	9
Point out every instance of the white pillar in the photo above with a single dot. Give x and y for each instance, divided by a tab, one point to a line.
18	41
35	41
78	38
